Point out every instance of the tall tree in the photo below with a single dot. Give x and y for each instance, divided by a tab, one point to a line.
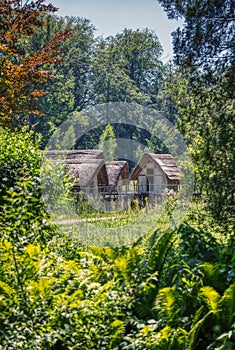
107	143
77	55
207	37
70	90
141	50
204	94
110	79
127	67
22	75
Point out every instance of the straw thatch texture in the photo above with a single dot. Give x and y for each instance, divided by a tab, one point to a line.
165	162
80	155
86	168
117	171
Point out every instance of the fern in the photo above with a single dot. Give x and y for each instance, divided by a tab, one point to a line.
165	338
212	276
5	288
169	304
154	248
121	265
159	250
227	305
222	307
149	240
101	296
118	328
41	289
210	297
135	259
192	335
108	254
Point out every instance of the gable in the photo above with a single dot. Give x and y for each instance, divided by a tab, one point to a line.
165	162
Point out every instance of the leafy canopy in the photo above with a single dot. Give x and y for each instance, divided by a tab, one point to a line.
204	94
207	37
22	74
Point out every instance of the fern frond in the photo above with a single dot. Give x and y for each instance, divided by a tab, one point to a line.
41	289
210	297
118	329
168	303
227	306
108	254
99	296
5	289
179	339
165	338
121	264
149	240
212	275
159	250
135	258
192	335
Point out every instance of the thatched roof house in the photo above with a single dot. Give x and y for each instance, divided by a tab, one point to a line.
89	174
155	172
118	173
85	167
89	171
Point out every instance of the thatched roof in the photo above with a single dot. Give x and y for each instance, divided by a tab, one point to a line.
83	173
80	155
115	169
82	165
166	162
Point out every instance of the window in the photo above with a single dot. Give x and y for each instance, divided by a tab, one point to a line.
150	173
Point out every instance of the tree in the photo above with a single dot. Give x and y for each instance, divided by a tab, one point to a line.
111	82
204	95
22	74
141	50
70	90
207	37
164	102
127	67
108	143
124	68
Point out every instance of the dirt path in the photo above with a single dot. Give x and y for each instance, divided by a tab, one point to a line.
75	221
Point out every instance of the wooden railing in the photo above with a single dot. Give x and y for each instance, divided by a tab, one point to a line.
115	192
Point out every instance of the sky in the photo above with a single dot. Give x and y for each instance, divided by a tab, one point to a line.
110	17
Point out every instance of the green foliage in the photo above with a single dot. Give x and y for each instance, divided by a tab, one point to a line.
206	40
123	68
62	293
127	67
19	156
203	91
171	289
65	295
207	122
70	90
212	318
56	187
22	215
107	143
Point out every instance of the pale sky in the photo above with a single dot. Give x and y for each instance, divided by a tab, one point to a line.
110	17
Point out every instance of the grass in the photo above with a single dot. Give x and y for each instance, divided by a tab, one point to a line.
122	228
92	225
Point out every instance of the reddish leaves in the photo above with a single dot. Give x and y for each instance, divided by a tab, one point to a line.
22	76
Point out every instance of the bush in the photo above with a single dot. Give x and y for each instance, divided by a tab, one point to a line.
22	215
169	290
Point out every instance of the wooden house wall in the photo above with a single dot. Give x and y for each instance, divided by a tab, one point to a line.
151	178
